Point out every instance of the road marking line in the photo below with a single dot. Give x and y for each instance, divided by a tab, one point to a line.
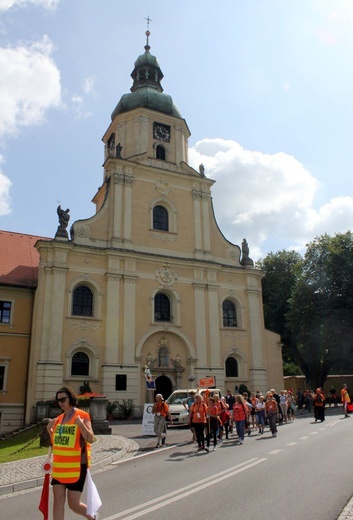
303	438
291	443
274	452
153	452
313	433
178	494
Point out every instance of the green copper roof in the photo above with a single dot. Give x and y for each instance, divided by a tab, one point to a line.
146	90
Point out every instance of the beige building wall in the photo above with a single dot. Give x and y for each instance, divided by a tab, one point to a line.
14	355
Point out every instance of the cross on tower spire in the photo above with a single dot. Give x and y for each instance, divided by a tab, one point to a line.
147	46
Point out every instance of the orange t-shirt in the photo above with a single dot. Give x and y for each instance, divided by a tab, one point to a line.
198	412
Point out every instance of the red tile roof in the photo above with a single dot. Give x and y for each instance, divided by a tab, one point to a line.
19	259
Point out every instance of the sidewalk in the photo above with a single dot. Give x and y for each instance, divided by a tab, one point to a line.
126	440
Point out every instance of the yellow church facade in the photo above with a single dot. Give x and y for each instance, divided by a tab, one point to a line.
149	281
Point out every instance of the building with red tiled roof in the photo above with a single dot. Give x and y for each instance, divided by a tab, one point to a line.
19	261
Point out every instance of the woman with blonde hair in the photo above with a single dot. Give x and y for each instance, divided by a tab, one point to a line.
240	416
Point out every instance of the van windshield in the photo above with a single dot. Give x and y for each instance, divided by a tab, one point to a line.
177	398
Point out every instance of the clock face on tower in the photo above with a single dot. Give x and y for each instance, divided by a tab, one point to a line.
161	132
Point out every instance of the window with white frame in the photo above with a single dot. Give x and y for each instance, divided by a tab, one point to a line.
5	311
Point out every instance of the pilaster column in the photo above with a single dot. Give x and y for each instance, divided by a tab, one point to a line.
213	317
200	324
118	179
196	195
206	221
112	312
52	341
129	181
129	319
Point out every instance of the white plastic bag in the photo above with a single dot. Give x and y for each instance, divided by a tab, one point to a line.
93	499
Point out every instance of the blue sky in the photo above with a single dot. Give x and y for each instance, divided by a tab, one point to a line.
265	87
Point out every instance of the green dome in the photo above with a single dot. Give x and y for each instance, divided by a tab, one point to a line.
148	98
146	90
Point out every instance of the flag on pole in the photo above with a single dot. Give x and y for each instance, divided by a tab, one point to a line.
44	499
93	499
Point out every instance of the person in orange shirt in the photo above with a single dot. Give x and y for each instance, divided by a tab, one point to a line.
71	434
271	412
212	423
345	399
241	413
197	420
160	410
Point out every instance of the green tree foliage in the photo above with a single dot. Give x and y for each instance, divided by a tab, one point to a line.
282	270
320	319
309	302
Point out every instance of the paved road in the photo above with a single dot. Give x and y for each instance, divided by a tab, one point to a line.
125	442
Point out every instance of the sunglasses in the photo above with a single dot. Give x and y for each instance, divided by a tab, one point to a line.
62	399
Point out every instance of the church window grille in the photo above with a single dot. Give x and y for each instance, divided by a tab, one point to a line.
80	364
82	301
162	308
232	367
160	218
229	314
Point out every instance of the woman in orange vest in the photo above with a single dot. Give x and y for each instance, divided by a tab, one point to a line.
345	399
71	434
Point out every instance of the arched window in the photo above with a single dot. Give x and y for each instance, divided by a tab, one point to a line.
229	314
80	364
231	367
82	301
160	218
162	308
160	153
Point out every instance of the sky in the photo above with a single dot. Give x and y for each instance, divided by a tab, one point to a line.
266	88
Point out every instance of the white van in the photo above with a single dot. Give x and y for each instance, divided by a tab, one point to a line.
175	401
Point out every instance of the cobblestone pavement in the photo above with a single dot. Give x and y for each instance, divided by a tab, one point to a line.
125	442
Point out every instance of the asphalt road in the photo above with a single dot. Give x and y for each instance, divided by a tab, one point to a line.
305	472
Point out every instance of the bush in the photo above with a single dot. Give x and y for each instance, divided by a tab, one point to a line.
127	407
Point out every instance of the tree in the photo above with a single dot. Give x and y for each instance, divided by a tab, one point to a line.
282	270
320	317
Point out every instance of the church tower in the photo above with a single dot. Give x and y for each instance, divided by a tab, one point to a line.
149	281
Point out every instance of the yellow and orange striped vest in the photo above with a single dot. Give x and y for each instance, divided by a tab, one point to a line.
66	441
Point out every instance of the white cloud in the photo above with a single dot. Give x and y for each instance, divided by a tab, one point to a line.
267	198
78	101
88	86
47	4
5	184
29	85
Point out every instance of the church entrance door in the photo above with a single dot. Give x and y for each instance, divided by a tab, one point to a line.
164	386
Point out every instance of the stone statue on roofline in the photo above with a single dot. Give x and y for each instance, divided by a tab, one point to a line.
64	218
245	259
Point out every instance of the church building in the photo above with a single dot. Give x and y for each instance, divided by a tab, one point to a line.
148	283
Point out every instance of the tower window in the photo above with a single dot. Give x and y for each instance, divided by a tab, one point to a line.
160	152
229	314
162	308
82	301
80	364
160	218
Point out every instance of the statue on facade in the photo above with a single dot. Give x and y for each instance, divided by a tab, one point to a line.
202	170
118	149
64	218
245	259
